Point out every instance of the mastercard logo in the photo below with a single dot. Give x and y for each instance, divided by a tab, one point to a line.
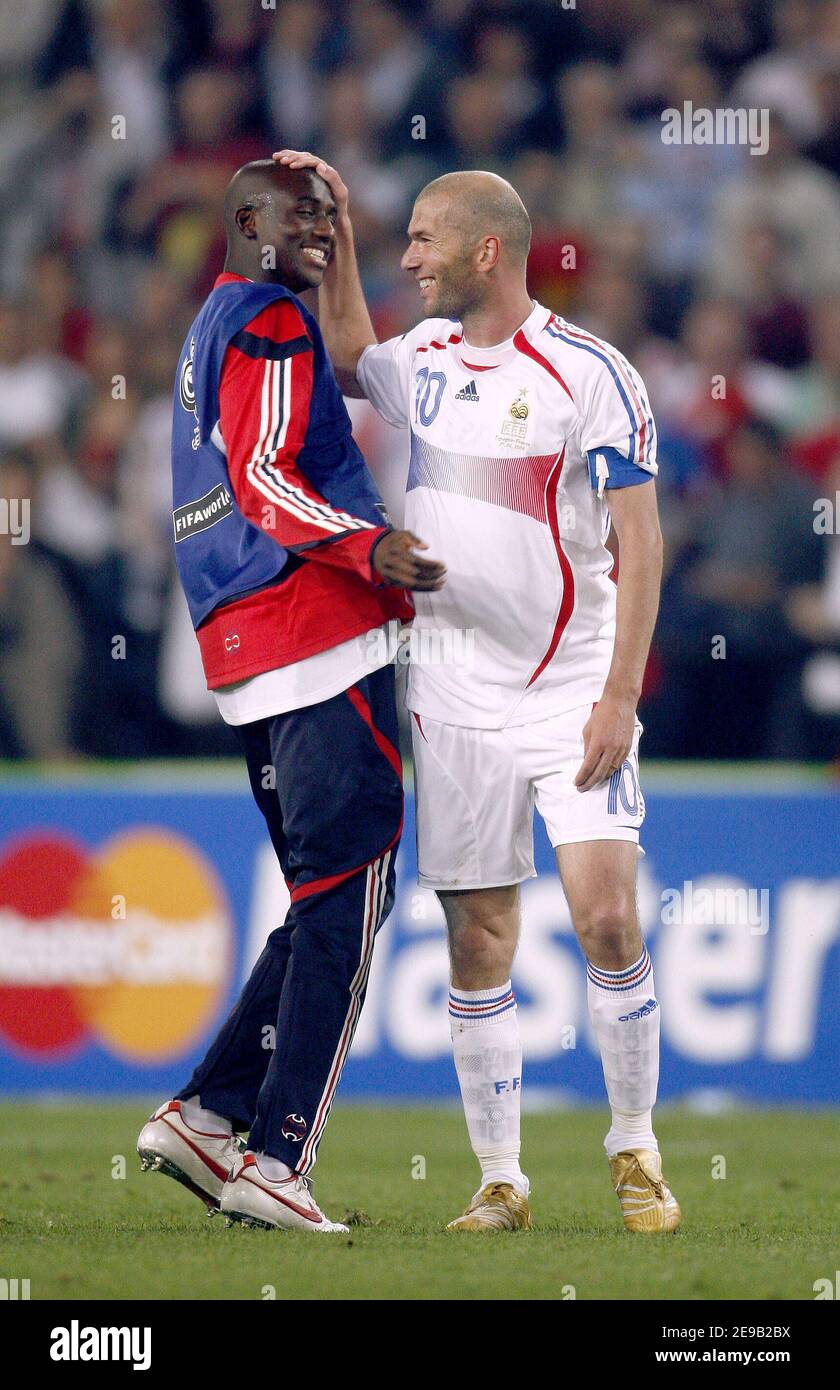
129	946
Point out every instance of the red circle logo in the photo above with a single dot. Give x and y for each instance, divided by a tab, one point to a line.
130	945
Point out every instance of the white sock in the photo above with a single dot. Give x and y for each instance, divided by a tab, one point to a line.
625	1017
204	1120
272	1168
488	1060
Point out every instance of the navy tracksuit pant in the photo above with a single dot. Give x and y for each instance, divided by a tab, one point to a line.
328	780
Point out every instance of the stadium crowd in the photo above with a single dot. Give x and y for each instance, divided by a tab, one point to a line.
715	270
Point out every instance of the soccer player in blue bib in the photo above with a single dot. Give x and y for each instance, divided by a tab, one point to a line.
294	578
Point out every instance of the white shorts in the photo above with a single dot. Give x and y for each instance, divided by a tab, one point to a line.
476	790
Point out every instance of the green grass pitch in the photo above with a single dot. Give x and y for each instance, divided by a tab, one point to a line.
767	1230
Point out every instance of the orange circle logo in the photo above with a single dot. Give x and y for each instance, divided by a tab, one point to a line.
131	945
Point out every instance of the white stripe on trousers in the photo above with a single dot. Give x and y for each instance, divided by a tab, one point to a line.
375	890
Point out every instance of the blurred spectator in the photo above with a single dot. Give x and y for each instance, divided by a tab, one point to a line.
596	142
825	149
292	65
25	28
235	35
173	212
480	128
39	637
732	656
674	186
778	321
504	53
813	417
381	196
783	190
389	55
784	78
60	321
129	51
708	386
38	389
813	612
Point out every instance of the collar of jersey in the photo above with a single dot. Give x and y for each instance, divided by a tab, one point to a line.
228	277
488	356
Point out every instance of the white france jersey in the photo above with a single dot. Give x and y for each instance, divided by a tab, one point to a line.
512	450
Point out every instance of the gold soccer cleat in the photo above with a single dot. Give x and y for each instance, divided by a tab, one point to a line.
647	1203
497	1207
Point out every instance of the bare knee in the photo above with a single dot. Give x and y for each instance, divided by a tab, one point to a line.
608	932
480	958
483	927
599	877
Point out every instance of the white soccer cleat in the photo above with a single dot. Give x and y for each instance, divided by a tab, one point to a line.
199	1161
255	1200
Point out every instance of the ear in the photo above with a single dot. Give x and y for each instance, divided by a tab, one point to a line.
244	219
488	256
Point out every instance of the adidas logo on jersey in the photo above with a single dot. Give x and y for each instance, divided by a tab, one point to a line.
469	393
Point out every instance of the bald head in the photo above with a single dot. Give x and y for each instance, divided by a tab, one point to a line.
277	221
258	183
480	204
249	184
469	237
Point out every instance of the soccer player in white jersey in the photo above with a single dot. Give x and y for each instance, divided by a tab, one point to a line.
528	437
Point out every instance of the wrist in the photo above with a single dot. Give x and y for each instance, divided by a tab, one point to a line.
622	693
344	228
376	578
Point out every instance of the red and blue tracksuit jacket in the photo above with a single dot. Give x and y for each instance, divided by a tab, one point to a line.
275	512
275	518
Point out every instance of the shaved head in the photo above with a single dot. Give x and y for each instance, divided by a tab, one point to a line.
250	184
279	224
483	204
469	238
257	184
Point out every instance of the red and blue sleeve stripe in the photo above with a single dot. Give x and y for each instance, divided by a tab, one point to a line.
641	440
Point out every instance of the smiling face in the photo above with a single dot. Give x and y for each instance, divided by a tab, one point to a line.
441	262
294	215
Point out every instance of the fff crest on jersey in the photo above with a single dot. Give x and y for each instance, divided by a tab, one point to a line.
514	431
519	408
